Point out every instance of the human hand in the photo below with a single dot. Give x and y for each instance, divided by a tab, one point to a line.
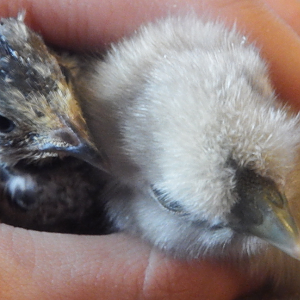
52	266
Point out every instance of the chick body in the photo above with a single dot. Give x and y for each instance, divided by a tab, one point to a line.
40	124
64	197
183	109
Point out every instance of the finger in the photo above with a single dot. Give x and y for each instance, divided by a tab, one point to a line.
289	12
37	265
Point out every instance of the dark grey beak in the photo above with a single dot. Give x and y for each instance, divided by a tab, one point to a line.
69	143
263	211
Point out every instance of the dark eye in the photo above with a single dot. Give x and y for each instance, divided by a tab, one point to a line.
65	72
171	205
6	125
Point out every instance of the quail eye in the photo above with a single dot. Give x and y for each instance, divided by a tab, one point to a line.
6	125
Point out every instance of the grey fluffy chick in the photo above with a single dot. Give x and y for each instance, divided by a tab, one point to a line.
40	125
187	115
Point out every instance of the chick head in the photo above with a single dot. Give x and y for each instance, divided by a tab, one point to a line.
39	113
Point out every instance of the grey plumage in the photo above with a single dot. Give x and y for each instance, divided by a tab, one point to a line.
47	181
202	148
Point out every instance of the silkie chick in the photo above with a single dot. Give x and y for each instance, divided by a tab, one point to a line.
46	154
201	146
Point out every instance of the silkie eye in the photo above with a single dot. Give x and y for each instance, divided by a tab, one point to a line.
171	205
6	125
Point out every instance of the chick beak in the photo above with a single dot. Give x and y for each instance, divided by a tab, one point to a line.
263	212
68	142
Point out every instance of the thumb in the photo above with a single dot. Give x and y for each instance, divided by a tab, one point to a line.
38	265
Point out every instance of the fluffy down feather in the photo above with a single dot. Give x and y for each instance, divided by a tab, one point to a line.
182	108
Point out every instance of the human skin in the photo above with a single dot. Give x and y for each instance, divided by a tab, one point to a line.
36	265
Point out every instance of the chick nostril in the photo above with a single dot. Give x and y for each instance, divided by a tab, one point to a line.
67	136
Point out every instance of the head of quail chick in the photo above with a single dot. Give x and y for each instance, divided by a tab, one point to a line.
190	122
39	114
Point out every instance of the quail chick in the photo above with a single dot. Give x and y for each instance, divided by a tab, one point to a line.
202	148
41	125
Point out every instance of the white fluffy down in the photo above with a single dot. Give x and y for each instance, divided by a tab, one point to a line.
172	106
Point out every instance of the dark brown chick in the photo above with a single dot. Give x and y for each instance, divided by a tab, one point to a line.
41	124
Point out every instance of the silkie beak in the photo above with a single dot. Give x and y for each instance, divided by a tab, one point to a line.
68	142
263	212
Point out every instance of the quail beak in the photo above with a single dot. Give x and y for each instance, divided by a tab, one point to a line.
68	142
263	212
